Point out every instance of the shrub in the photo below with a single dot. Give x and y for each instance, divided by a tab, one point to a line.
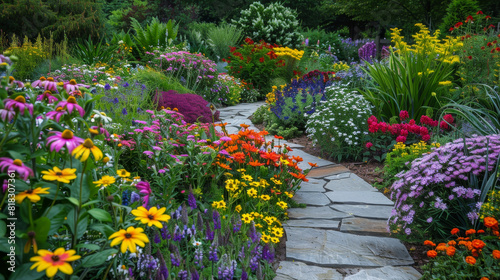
30	55
156	34
274	24
458	10
338	124
328	41
192	106
226	90
155	80
472	257
442	189
222	37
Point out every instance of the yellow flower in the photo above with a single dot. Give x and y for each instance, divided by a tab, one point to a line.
123	173
232	185
278	232
52	262
275	240
237	208
246	218
264	183
445	83
282	204
247	177
32	195
265	197
252	192
219	204
129	239
153	216
105	181
241	170
83	151
255	184
265	238
56	174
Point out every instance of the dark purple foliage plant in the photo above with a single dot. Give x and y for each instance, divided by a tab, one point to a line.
192	106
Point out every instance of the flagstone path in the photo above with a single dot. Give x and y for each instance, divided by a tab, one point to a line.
341	234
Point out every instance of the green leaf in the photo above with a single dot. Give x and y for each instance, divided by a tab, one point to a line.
57	216
103	228
91	247
41	228
4	245
91	202
100	215
2	216
3	228
98	258
73	200
24	272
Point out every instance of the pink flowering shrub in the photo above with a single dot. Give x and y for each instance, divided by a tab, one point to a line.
442	189
193	107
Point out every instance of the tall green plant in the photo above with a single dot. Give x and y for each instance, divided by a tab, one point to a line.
221	38
156	34
90	53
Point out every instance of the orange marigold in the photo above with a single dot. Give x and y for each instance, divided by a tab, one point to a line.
496	254
452	243
431	254
450	251
484	278
455	231
490	222
470	231
429	243
478	244
470	260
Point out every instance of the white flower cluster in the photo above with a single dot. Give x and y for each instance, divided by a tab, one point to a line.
341	120
273	24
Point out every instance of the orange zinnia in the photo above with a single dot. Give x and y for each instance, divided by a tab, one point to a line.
429	243
297	158
470	260
455	231
431	254
490	222
450	251
478	244
225	166
441	247
496	254
470	231
452	243
313	164
255	163
239	157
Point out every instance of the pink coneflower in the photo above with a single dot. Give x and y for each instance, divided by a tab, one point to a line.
72	85
57	114
61	139
47	95
95	130
70	104
13	81
39	83
7	115
50	84
145	189
17	165
18	104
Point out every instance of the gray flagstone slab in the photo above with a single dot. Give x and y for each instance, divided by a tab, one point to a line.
311	212
386	273
300	271
359	197
313	223
312	198
364	226
365	211
314	185
352	183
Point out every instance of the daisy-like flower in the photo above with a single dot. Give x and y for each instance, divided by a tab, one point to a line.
32	195
123	173
247	218
18	104
72	85
61	139
56	174
153	216
13	81
7	115
95	130
17	165
196	243
52	262
129	239
39	83
105	181
57	114
100	116
47	95
70	104
50	84
282	204
83	151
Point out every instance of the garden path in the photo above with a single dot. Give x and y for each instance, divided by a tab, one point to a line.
341	234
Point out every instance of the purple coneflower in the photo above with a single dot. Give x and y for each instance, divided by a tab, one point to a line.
70	104
47	95
50	84
17	165
57	114
18	104
39	83
72	85
61	139
145	189
13	81
7	115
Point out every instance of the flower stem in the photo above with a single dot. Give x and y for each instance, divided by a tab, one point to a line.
55	197
8	132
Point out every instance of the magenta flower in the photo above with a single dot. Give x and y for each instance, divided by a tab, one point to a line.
7	115
95	130
39	83
18	104
57	114
47	95
72	85
61	139
70	104
13	81
145	189
16	165
50	84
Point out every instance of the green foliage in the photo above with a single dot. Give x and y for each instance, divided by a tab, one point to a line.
121	18
261	114
339	123
250	95
90	53
50	65
157	81
226	90
30	55
273	23
457	11
155	34
287	132
222	37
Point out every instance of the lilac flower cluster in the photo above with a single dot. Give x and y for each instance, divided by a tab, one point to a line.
441	182
368	51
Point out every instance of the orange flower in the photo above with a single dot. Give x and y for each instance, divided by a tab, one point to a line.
225	166
452	243
480	231
450	251
484	278
441	247
255	163
470	231
249	147
278	137
475	252
496	254
431	254
313	164
245	126
297	158
496	233
429	243
239	157
478	244
470	260
490	222
455	231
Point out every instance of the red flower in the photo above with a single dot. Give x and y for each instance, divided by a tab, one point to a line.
261	59
498	49
249	41
489	44
451	29
491	26
444	125
469	18
369	145
482	48
426	137
492	50
458	24
449	118
487	17
401	139
232	49
469	57
403	115
479	13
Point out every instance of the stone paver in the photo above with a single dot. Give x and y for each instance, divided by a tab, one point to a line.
325	224
364	226
365	211
311	212
299	270
311	198
342	231
331	248
359	197
386	273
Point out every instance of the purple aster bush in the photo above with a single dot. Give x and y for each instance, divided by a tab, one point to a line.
442	189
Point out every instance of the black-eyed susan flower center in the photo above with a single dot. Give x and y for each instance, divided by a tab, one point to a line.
29	191
128	235
59	173
67	134
72	82
11	79
71	99
18	162
50	79
88	144
151	217
42	79
55	258
20	99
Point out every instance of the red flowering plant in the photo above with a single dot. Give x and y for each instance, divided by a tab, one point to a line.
480	53
475	256
255	63
382	136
